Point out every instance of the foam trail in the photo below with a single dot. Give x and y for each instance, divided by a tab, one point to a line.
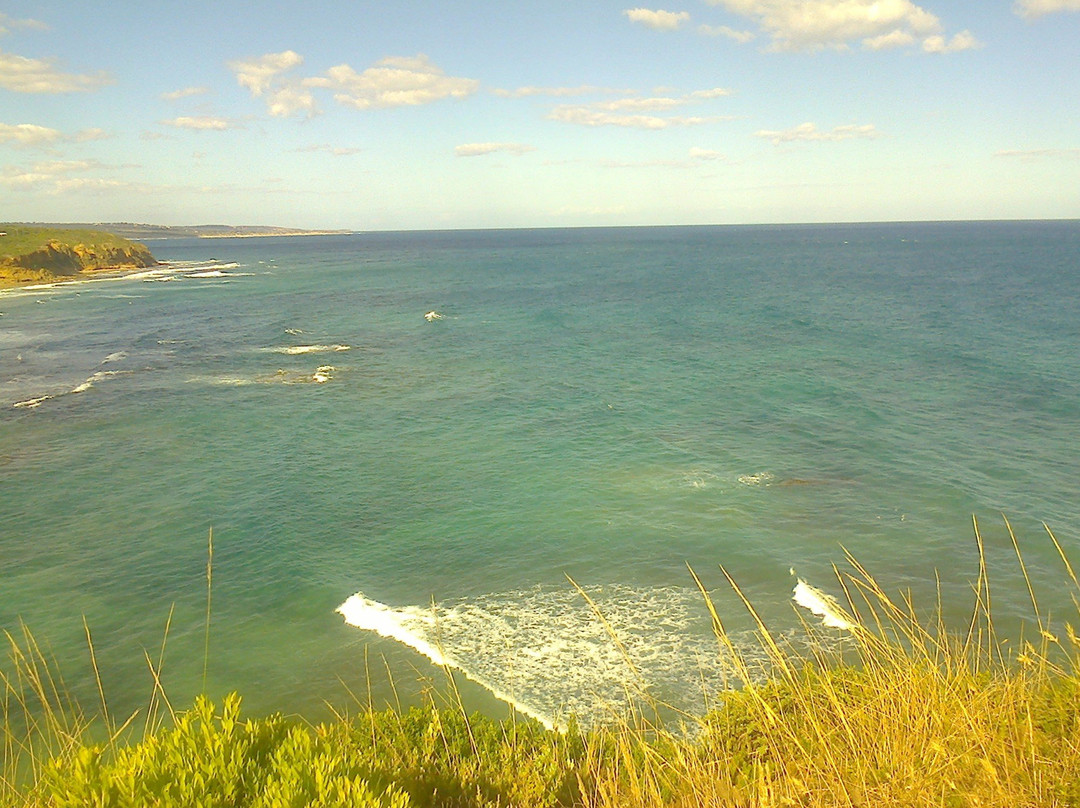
101	374
821	604
407	626
31	403
544	651
298	350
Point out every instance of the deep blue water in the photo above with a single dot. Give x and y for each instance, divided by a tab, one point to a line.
609	405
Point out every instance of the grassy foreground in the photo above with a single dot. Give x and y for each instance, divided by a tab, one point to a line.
905	713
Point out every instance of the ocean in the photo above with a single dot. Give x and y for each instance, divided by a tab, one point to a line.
585	414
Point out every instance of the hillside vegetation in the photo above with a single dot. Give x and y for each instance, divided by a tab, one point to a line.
46	255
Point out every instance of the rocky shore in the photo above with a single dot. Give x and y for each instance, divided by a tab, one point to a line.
46	255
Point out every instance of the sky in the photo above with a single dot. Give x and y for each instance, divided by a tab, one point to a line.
416	114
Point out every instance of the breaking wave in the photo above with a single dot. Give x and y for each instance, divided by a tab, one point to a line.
550	655
823	605
299	350
37	401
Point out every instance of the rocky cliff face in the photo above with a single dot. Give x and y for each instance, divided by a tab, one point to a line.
57	260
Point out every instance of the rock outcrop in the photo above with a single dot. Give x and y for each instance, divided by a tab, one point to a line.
58	260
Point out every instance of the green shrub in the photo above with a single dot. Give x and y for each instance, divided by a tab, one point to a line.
211	760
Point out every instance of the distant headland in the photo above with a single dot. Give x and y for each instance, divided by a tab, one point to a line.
154	232
51	254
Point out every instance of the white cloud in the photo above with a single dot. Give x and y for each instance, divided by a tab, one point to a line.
264	76
289	99
659	20
704	95
706	154
393	82
896	38
808	131
28	134
260	75
477	149
963	41
876	24
722	30
1037	8
22	75
33	136
200	122
8	24
187	92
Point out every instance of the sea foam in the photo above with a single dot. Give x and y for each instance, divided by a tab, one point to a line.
822	604
548	653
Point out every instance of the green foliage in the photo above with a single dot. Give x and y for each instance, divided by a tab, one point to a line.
443	759
39	254
20	239
212	760
425	757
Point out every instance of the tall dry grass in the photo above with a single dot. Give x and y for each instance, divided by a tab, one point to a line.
906	713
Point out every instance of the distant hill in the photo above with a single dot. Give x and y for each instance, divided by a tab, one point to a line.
50	254
149	232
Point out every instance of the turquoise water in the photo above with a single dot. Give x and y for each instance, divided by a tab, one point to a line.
609	405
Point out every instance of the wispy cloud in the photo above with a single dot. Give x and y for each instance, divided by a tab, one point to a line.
60	176
22	75
659	20
697	153
478	149
631	112
31	135
722	30
1037	8
561	92
201	122
8	24
187	92
585	116
808	131
874	24
1029	155
336	151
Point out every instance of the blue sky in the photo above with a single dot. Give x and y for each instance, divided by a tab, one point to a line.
416	115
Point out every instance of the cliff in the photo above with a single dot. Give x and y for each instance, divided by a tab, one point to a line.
45	255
